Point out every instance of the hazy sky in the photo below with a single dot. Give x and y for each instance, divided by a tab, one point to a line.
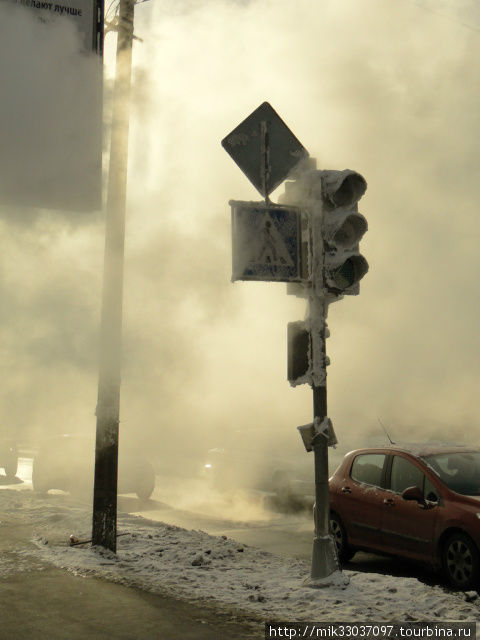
386	87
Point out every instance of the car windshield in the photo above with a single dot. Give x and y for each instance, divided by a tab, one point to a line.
460	471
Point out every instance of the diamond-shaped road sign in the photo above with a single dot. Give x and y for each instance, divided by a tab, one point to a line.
265	242
264	148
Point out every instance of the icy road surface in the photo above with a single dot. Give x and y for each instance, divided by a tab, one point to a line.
195	566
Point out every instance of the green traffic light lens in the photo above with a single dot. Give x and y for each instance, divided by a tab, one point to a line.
344	276
349	272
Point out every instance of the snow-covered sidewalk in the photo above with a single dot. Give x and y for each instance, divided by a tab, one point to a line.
196	566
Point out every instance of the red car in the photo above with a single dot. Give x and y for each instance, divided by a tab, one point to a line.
416	501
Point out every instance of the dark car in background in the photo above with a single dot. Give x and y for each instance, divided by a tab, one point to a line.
286	477
420	502
67	462
245	468
8	456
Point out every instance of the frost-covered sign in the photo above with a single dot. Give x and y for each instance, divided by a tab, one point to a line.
51	107
265	242
264	148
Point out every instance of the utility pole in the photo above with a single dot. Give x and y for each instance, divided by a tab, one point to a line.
104	522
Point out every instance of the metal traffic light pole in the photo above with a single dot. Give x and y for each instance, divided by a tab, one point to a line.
336	192
324	557
104	522
311	367
324	554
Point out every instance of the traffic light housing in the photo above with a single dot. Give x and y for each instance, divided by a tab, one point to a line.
342	228
299	349
307	360
330	202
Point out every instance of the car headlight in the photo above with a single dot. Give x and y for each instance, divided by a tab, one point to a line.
209	466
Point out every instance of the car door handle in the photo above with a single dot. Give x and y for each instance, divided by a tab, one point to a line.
346	490
389	502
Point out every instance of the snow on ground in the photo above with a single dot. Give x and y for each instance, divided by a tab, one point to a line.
193	565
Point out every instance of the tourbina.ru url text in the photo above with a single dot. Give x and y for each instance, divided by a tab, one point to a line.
457	630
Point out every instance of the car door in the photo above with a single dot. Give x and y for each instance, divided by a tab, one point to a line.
360	499
407	526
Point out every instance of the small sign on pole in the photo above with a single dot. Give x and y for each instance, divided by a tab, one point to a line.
265	242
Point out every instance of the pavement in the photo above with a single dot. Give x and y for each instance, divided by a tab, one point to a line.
54	605
41	602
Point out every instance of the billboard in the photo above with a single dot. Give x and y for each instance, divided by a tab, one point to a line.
51	108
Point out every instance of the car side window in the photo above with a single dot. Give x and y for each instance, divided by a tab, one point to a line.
404	475
367	468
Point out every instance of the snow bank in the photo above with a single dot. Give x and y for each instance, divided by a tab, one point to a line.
194	565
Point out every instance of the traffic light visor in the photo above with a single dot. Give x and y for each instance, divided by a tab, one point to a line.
344	188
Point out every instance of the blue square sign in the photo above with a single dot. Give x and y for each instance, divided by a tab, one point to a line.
265	242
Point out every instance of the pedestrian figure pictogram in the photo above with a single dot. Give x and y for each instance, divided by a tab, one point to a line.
273	250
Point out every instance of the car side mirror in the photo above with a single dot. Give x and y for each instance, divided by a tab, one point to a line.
414	493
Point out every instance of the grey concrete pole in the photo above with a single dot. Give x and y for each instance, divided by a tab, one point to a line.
104	523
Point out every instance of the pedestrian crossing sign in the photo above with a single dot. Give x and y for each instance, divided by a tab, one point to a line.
265	242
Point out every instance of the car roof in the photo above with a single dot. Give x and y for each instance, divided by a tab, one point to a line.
420	449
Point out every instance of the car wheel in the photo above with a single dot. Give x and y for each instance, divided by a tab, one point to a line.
285	498
146	482
11	466
344	550
460	561
282	483
39	480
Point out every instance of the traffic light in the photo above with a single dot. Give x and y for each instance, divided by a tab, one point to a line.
330	201
342	228
299	349
307	360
